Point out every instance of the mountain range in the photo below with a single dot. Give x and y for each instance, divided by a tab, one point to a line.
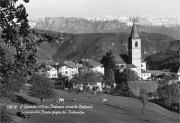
75	25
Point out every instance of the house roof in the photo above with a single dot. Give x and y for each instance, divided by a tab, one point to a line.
131	66
62	64
91	63
70	64
117	59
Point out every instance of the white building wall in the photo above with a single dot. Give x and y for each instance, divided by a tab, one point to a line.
52	73
143	65
137	70
136	52
145	76
67	71
178	76
99	69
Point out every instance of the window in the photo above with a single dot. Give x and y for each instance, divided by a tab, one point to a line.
136	44
66	72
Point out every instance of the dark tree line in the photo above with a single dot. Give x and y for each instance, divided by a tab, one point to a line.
119	75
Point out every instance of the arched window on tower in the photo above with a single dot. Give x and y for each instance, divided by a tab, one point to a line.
136	44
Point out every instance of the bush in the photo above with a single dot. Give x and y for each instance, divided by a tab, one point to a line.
41	87
4	115
122	90
169	96
11	85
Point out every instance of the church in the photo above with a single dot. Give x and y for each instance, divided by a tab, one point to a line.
135	54
135	61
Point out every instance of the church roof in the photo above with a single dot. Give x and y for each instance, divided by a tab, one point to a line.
179	70
91	63
117	59
134	31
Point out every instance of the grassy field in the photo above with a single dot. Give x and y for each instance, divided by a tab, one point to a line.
116	110
137	86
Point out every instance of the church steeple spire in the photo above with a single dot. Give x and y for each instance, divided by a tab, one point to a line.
134	31
134	47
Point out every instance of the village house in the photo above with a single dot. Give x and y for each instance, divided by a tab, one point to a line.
69	69
145	75
49	68
93	66
52	72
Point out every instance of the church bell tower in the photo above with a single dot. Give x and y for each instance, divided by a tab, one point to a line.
134	47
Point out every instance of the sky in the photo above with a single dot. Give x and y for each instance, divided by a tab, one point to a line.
102	8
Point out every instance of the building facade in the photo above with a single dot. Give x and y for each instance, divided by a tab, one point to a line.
52	73
69	69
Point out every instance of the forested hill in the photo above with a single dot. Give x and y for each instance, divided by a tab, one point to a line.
167	60
93	45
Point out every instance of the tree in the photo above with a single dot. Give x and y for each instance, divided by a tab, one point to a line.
4	115
109	68
92	77
11	85
78	79
130	75
108	61
10	81
122	78
143	99
109	77
169	95
41	87
16	33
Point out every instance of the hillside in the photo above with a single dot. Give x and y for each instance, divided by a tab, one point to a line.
93	45
81	25
78	46
117	109
174	45
169	60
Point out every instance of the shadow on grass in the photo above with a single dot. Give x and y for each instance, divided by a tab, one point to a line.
159	102
115	107
20	99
